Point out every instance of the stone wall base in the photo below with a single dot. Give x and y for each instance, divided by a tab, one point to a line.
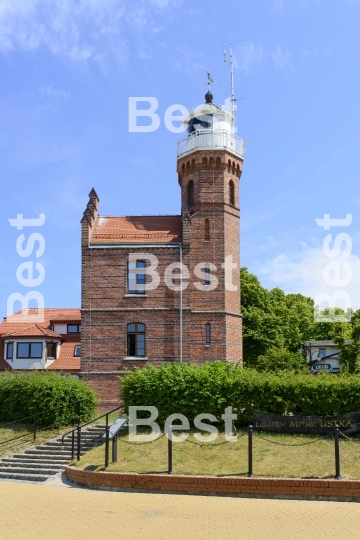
279	488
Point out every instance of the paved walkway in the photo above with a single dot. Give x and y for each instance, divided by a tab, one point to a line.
30	511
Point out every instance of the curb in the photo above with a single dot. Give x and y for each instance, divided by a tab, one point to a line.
278	488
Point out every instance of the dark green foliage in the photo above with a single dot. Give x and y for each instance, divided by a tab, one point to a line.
210	388
281	360
347	339
24	394
275	319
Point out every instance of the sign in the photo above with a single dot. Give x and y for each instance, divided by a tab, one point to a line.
321	367
322	425
115	427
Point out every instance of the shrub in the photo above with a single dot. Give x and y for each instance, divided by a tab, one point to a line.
210	388
281	360
24	394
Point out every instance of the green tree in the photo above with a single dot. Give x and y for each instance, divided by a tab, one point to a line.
346	337
273	319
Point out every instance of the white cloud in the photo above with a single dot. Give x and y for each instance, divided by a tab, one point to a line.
50	91
75	29
283	60
248	55
303	272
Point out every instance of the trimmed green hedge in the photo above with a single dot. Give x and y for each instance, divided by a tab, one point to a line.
24	394
210	388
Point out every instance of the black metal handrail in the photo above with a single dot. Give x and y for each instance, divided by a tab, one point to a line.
78	429
35	428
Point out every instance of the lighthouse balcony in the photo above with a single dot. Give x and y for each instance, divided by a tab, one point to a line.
209	139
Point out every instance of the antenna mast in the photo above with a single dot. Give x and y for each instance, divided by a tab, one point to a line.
230	61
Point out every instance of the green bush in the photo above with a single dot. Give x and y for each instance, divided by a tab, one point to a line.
210	388
24	394
277	359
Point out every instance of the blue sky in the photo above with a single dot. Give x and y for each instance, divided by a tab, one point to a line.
68	69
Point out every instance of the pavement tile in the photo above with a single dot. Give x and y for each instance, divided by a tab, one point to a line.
59	511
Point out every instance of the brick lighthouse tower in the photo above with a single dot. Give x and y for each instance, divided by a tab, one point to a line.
126	324
209	166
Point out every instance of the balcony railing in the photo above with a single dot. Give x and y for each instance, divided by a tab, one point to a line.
208	139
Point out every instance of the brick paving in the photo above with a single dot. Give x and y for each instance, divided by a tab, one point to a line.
48	511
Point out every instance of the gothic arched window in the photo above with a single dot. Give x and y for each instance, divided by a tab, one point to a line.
207	230
231	193
190	193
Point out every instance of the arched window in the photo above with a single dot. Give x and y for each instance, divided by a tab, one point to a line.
193	164
211	161
218	162
190	193
204	161
229	165
231	193
136	340
207	334
207	230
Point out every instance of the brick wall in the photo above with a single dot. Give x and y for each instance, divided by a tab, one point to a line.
107	308
346	490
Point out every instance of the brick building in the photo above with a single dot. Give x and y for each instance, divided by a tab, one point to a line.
125	325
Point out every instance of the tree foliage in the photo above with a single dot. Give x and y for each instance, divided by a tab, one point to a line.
273	319
281	360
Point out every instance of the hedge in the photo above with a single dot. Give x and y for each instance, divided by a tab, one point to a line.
211	387
24	394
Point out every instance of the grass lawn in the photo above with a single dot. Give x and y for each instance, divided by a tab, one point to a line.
309	461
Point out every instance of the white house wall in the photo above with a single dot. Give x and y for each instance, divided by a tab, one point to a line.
30	363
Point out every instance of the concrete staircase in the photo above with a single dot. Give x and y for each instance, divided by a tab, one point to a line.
41	463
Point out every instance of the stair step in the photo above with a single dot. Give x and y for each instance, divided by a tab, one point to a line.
25	464
24	470
39	463
33	457
22	476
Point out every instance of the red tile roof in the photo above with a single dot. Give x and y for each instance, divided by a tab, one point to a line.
33	330
67	360
9	326
137	230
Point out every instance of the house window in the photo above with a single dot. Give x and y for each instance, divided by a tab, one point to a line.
190	193
29	350
231	193
136	340
208	334
207	230
207	275
73	328
136	280
322	353
51	350
77	350
9	351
